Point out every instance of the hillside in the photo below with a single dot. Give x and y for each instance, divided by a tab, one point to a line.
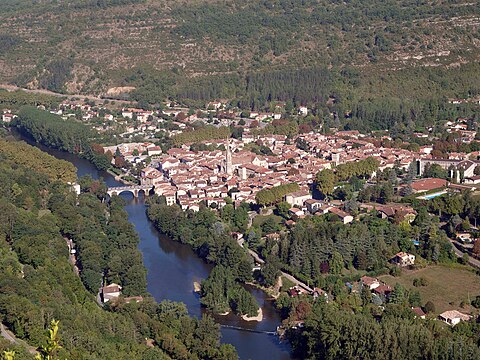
201	49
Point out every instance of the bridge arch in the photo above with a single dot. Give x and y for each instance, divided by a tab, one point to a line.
135	190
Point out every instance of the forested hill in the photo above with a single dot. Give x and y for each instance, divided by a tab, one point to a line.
246	49
38	212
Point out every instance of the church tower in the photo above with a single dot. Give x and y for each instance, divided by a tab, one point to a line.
228	159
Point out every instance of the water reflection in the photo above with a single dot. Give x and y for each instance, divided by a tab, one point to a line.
172	268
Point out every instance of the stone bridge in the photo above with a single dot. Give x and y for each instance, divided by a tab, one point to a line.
134	189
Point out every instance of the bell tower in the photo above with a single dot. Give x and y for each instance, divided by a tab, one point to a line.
228	159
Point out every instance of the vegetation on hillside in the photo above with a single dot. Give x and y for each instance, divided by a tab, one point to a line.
66	135
35	159
39	284
332	333
384	62
13	100
210	238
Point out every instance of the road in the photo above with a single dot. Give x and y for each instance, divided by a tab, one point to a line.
293	279
7	335
10	337
97	99
472	261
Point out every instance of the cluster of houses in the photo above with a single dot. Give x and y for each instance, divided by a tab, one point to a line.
211	176
381	292
135	152
461	127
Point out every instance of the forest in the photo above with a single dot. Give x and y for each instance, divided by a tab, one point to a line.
211	240
377	64
38	283
14	100
28	156
335	333
70	136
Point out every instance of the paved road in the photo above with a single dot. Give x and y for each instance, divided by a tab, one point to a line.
472	261
6	334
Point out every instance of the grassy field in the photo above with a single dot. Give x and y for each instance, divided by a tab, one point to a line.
260	219
447	287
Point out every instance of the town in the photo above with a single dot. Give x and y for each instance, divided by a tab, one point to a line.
220	156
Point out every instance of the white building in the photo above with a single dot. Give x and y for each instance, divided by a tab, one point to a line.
303	110
110	292
453	317
297	198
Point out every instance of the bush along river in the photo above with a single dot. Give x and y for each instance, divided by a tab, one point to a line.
172	269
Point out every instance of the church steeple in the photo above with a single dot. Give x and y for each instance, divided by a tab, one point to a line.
228	159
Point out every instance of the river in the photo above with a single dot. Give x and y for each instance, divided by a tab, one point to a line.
173	267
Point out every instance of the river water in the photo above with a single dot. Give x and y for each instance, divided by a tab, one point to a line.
173	267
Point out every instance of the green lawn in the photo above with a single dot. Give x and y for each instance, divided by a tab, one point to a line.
447	287
260	219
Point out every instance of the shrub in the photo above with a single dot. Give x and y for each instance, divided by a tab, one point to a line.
429	307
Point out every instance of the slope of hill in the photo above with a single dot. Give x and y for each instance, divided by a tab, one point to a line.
202	49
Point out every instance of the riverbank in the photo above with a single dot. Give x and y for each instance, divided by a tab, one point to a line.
259	316
172	268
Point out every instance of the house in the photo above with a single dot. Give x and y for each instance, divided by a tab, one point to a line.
403	259
323	209
372	283
429	184
273	236
419	313
110	292
290	223
295	212
108	117
170	197
127	113
317	293
397	212
295	291
473	180
297	198
8	117
453	317
313	205
383	291
214	105
303	110
154	150
344	216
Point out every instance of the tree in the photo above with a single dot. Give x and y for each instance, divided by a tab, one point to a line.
270	225
476	247
366	295
8	355
414	298
282	209
270	272
325	181
49	351
429	307
397	296
336	263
